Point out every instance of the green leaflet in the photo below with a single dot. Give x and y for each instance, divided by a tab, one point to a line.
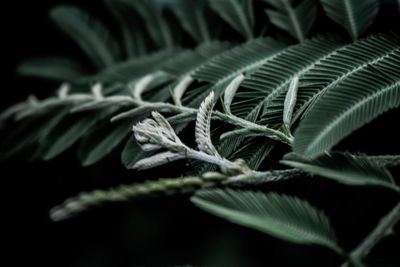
189	61
221	69
92	37
345	168
331	70
69	131
254	153
132	33
238	14
57	69
130	70
296	20
284	217
192	18
275	75
162	187
156	26
354	15
349	105
101	141
38	127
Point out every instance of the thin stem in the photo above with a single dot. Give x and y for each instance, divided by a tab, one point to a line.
384	228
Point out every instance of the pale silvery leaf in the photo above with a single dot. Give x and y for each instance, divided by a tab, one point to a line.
157	160
118	100
230	91
290	102
180	88
142	85
96	91
203	124
158	132
64	90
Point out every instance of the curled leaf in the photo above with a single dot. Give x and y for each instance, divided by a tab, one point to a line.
203	125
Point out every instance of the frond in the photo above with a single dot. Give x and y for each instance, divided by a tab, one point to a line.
345	168
156	25
238	14
284	217
55	68
354	15
296	20
330	71
163	187
192	18
68	132
38	127
353	102
189	61
220	70
275	75
90	34
133	36
131	69
101	141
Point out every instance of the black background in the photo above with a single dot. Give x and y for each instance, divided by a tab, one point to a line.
162	232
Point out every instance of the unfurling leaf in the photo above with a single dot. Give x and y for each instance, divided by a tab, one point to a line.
203	125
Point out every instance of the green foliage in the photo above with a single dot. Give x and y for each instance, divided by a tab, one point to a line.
352	103
284	217
175	63
191	15
91	35
58	69
354	15
345	168
156	25
238	13
296	20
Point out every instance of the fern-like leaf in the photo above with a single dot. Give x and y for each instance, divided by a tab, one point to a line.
57	69
163	187
330	71
92	37
192	18
151	13
354	15
345	168
133	36
237	13
283	217
101	141
222	69
296	20
352	103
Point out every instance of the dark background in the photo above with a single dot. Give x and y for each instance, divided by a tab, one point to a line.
167	231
